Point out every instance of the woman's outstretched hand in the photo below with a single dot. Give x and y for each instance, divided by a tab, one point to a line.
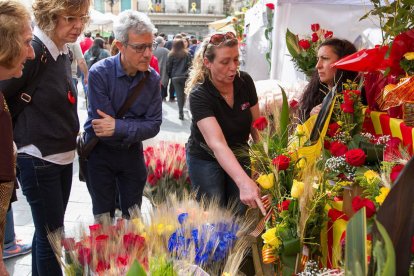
250	195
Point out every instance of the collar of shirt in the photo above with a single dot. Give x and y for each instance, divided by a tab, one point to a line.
50	45
120	72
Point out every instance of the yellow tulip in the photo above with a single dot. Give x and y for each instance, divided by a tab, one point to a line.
409	55
300	130
383	194
266	181
297	188
269	237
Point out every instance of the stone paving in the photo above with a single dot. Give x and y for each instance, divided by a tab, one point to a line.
79	209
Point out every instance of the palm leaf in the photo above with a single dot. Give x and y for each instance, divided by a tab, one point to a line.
355	246
292	43
284	119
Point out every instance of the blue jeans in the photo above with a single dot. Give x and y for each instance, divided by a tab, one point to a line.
9	235
211	181
47	188
110	167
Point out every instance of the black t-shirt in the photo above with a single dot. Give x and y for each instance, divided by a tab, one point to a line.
206	101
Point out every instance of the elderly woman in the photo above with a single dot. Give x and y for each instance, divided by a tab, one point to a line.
325	77
15	49
223	103
45	130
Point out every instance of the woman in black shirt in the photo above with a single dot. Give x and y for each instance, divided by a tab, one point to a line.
223	103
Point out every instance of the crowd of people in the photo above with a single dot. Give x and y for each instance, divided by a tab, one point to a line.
125	90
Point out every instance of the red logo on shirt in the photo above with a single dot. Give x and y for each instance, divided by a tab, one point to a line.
245	106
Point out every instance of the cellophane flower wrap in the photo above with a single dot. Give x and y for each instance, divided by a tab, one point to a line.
304	49
167	170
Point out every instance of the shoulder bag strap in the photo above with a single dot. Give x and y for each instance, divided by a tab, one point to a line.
132	97
26	95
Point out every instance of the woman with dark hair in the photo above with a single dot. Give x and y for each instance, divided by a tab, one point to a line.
96	52
178	63
326	77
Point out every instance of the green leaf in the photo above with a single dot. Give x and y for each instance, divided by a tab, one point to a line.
355	245
292	43
136	270
284	119
389	266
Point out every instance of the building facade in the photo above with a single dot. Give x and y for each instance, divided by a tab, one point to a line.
172	16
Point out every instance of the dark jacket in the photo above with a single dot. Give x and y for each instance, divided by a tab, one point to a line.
178	67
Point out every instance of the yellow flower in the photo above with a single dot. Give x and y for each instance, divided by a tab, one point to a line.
269	237
169	228
409	55
244	10
138	224
371	176
299	130
301	163
340	123
297	188
160	229
266	181
383	194
345	183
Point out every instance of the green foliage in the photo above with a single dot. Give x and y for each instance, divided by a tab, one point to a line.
355	246
284	119
395	17
383	253
136	269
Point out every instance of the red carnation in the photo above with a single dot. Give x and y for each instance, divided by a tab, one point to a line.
260	123
355	157
333	129
328	34
395	172
315	27
315	37
358	203
281	162
304	44
338	148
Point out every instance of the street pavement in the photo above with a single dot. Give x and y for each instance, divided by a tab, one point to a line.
79	210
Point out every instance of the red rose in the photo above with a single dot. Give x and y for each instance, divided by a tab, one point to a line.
284	206
260	123
177	174
358	203
326	144
270	6
355	157
328	34
333	129
293	103
281	162
347	107
304	44
315	37
338	148
315	27
395	172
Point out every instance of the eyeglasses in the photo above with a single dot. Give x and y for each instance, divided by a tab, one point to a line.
217	39
73	19
140	48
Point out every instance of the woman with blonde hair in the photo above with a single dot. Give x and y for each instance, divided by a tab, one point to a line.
15	49
223	102
45	130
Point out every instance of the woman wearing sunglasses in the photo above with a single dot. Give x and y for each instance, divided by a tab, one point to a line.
223	103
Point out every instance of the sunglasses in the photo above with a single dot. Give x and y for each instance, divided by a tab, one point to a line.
140	48
74	19
217	39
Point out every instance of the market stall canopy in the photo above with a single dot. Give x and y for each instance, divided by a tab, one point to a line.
98	18
223	25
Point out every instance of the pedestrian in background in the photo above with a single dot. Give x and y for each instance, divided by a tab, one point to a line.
178	65
117	159
45	131
78	61
96	52
162	55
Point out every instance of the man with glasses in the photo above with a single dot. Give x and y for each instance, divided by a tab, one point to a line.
117	159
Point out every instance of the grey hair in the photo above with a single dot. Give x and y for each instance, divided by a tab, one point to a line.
129	20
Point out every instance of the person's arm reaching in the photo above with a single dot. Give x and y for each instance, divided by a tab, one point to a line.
249	191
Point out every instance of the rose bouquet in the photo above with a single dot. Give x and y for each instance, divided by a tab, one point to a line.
304	50
167	170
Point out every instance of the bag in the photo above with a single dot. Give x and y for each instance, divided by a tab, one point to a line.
84	149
